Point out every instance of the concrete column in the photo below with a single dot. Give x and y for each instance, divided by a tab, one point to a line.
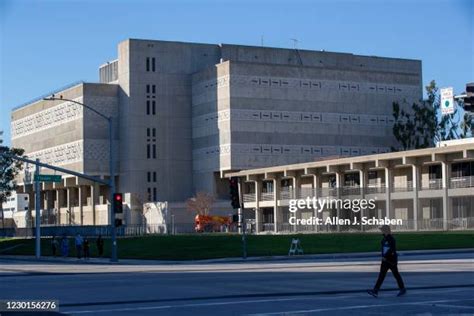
258	211
94	200
258	220
59	204
69	205
416	200
339	184
445	176
363	182
276	196
81	193
316	195
388	192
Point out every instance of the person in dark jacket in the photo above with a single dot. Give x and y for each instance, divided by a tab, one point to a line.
389	262
100	246
54	245
86	249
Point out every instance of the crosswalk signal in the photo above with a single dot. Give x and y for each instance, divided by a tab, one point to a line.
118	203
234	192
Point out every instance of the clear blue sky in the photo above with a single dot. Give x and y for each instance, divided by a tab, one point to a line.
47	44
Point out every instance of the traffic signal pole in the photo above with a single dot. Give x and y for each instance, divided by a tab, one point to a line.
113	257
242	220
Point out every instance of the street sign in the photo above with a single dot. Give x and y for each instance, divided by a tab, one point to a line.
447	101
47	178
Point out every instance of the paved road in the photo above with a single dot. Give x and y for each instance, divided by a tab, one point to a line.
438	284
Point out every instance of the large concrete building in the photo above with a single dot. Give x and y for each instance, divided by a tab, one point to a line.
185	113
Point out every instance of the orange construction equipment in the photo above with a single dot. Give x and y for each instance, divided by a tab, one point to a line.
209	223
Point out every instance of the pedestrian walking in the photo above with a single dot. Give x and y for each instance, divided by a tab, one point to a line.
79	242
100	246
64	246
54	246
389	262
86	249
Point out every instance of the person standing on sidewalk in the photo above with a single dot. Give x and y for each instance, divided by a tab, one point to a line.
86	249
79	241
100	246
389	262
64	246
54	245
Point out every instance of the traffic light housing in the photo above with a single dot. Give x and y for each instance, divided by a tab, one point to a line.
118	222
234	192
118	203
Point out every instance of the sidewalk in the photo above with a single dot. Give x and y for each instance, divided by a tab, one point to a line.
310	257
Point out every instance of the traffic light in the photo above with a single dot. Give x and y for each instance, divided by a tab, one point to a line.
234	192
117	203
469	99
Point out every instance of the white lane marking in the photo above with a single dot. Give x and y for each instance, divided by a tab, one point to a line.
452	306
209	304
235	302
356	307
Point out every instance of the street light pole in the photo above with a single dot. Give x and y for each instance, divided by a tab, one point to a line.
109	119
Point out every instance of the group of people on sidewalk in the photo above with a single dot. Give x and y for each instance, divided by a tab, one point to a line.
82	245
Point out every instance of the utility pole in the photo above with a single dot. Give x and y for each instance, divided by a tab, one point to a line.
38	210
242	224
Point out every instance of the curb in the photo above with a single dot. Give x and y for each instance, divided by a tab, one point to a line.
335	256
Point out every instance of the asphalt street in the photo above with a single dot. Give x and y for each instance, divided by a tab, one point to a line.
437	284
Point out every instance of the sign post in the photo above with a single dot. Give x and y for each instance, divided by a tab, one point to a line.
447	101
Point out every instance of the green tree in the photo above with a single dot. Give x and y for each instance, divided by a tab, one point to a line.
422	125
9	169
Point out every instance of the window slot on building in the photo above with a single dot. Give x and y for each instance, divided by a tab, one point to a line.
154	151
154	176
148	132
153	64
153	107
148	176
148	64
153	132
148	107
284	82
147	88
153	89
149	194
148	151
155	195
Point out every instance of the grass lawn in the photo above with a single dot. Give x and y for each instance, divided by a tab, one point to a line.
207	246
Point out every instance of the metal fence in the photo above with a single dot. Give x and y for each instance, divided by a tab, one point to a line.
436	224
104	230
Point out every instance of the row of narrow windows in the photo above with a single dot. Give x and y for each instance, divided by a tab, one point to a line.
150	64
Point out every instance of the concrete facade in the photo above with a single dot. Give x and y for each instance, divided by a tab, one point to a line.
428	189
187	112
